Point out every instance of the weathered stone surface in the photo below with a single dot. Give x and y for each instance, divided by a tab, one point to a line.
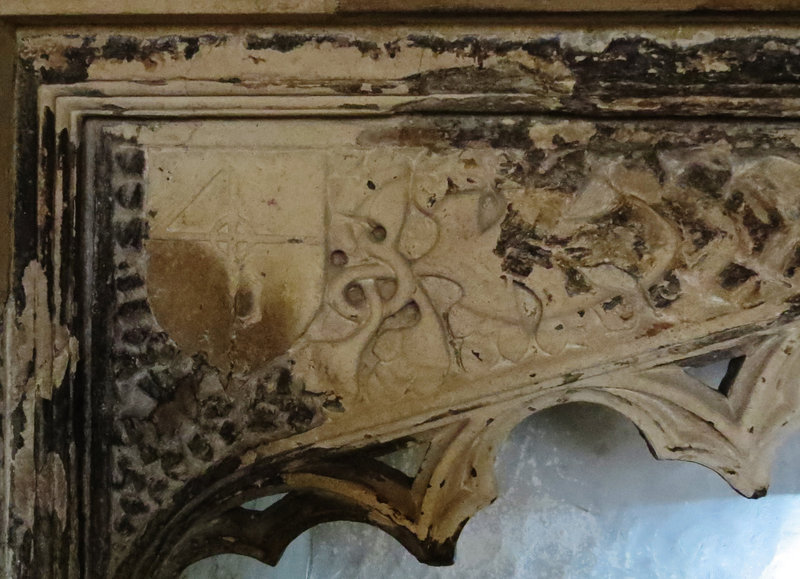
254	262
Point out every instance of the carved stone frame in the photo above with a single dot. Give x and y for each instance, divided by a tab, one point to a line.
59	477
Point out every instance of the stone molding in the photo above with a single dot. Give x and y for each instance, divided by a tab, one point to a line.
333	7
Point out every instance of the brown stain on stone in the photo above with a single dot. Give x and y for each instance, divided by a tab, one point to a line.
194	306
271	336
656	329
191	302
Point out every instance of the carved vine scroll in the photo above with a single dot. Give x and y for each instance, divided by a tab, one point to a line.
251	285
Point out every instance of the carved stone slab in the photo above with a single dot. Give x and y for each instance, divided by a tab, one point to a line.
264	261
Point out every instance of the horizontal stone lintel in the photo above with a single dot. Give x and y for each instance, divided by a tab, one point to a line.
10	8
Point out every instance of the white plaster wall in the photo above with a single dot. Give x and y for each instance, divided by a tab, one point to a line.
580	496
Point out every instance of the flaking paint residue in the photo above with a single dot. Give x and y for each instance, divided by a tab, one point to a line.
36	357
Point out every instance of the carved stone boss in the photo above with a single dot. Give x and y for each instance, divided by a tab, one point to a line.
263	261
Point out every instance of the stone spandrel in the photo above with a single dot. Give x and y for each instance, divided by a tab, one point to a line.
415	256
328	277
287	282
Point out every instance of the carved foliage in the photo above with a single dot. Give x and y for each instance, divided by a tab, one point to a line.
600	228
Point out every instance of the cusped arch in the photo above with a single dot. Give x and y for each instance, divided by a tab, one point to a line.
426	509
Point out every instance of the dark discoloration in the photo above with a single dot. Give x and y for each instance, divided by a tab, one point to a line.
451	412
735	275
568	174
66	159
726	335
450	131
305	507
760	231
130	160
693	225
571	377
279	397
633	66
705	178
576	282
133	308
76	61
133	506
19	420
515	247
511	78
279	42
49	162
614	236
687	136
790	314
664	293
360	107
681	449
474	47
734	367
132	233
531	248
192	46
644	67
130	195
734	202
793	263
612	303
26	207
288	42
125	48
149	50
333	403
